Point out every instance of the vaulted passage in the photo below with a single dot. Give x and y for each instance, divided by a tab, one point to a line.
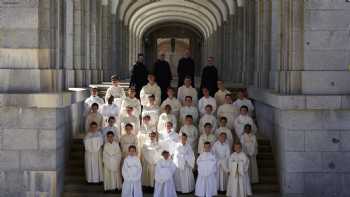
291	55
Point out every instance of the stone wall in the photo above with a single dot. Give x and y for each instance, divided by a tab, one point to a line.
310	136
35	134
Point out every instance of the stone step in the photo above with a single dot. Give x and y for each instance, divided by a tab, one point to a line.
264	149
267	172
264	156
262	142
266	163
101	194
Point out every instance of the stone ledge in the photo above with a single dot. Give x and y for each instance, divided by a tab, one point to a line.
300	102
44	100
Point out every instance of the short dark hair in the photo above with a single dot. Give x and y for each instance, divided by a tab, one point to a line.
184	135
208	124
190	97
94	104
247	126
111	118
114	78
110	133
129	125
244	107
93	123
206	143
223	118
132	147
189	116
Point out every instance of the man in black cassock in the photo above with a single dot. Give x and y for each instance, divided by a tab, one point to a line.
139	75
185	68
163	75
210	77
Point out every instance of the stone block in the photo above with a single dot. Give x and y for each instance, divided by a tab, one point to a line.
337	119
38	160
40	182
10	119
300	119
327	40
325	59
20	139
51	118
303	161
345	102
293	183
322	184
336	162
322	102
9	160
345	185
326	19
327	4
322	140
26	38
19	58
345	139
19	18
51	139
295	140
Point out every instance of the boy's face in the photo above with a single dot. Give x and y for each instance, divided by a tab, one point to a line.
111	122
151	78
110	138
222	138
189	121
115	82
129	110
222	123
228	99
131	93
93	128
188	101
152	137
207	147
132	152
240	95
247	130
146	120
237	148
170	93
167	109
243	111
151	100
188	82
166	155
168	126
207	129
94	92
94	108
208	110
220	85
205	92
183	140
128	129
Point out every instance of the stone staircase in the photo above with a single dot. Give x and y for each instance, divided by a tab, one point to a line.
76	186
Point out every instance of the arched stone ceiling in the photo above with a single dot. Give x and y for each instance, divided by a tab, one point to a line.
209	14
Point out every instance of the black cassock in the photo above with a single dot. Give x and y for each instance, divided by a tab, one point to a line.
139	75
209	79
185	68
163	76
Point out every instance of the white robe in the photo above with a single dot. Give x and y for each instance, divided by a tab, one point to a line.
184	160
112	159
238	182
250	148
230	112
205	138
109	111
193	111
192	135
115	130
247	102
93	117
93	157
207	118
143	136
149	90
151	154
229	136
168	141
116	91
204	102
174	103
220	96
126	141
240	122
222	152
132	171
183	91
131	102
153	112
206	185
163	119
133	120
91	100
164	179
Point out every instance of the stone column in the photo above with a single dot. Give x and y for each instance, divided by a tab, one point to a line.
77	50
69	43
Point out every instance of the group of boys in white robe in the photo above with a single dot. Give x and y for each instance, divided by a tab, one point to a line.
163	127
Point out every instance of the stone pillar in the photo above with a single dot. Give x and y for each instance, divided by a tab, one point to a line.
69	43
77	51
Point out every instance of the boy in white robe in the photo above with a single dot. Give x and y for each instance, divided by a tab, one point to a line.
250	148
242	120
152	110
129	118
145	131
109	109
172	101
112	159
221	93
208	117
187	90
224	129
94	116
164	177
128	139
206	184
93	143
94	98
206	100
229	111
111	127
166	117
116	91
150	156
169	138
207	136
243	101
131	101
188	109
191	131
132	171
222	152
184	160
150	89
238	182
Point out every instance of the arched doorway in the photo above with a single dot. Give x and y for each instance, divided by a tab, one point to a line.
172	39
